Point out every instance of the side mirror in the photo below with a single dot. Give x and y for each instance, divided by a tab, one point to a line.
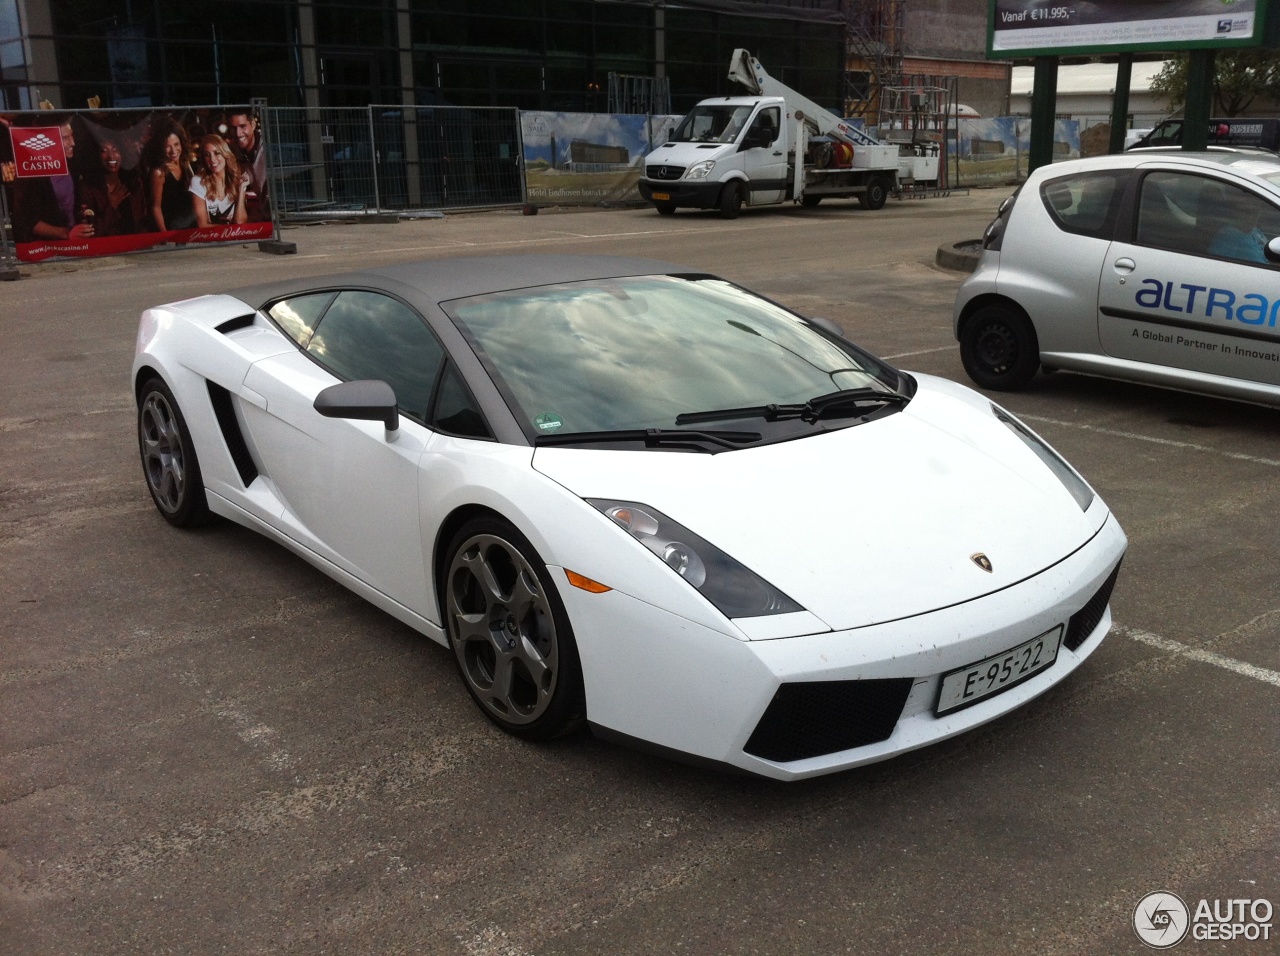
367	400
1272	251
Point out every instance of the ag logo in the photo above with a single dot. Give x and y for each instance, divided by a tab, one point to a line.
1161	920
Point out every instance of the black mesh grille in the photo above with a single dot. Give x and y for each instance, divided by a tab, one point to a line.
664	173
1086	619
811	718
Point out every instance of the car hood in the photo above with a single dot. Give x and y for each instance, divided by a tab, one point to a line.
869	523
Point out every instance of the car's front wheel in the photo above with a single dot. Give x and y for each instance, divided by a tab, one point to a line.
169	458
509	632
664	208
999	348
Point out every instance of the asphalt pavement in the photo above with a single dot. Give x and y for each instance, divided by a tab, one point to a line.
207	746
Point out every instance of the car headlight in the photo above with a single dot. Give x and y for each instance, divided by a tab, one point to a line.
701	170
735	590
1070	479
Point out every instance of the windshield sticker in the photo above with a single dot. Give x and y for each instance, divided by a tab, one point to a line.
548	422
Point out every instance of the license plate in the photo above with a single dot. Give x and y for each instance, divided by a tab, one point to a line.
662	196
998	673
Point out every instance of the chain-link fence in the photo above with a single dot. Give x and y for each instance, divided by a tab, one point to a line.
344	160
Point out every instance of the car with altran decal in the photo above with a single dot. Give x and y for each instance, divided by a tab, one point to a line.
1157	268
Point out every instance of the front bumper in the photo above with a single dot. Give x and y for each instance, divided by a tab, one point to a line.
676	685
697	195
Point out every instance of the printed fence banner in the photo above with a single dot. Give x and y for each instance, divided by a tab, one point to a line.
101	182
995	150
588	157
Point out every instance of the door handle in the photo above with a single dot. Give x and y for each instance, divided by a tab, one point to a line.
1125	265
777	152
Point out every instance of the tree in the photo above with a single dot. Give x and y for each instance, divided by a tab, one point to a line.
1240	77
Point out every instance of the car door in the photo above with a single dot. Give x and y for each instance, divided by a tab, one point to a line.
1189	287
766	163
349	492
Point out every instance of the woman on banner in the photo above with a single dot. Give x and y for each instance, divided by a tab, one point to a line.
110	196
170	177
218	191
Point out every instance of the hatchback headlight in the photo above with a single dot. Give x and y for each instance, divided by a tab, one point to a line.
734	589
701	170
1070	479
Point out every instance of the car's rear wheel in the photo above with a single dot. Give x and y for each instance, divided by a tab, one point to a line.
731	200
169	458
664	208
509	632
999	348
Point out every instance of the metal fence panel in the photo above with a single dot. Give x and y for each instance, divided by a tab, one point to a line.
339	160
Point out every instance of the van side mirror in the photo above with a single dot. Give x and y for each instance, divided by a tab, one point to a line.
1272	251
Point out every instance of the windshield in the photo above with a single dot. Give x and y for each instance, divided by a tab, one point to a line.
712	124
630	353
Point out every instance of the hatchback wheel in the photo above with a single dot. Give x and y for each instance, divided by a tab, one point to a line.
999	348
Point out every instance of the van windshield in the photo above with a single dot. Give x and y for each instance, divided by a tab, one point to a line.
712	123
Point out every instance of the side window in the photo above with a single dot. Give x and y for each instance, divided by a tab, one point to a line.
298	316
1087	204
766	124
1202	216
456	412
369	335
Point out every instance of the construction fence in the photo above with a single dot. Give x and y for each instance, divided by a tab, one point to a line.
358	160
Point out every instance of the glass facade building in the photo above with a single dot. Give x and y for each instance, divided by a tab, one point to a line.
531	54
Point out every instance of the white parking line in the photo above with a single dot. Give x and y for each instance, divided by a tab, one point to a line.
1196	654
898	355
1155	441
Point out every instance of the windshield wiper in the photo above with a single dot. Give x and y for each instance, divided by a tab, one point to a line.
809	411
653	437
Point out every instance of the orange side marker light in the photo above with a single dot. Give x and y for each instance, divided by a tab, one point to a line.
584	582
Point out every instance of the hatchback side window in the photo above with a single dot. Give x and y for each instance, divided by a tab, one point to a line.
369	335
1202	216
1087	204
298	317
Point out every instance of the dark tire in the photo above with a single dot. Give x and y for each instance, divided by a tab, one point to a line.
877	193
999	348
169	461
509	632
810	201
665	208
731	200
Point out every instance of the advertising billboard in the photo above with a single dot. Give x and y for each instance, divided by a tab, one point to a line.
90	183
1021	28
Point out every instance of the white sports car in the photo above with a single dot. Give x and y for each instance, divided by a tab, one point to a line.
640	497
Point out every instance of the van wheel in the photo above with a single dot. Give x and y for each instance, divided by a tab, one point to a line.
730	200
999	348
810	201
665	208
876	195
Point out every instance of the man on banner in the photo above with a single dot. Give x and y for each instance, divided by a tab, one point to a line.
246	137
44	192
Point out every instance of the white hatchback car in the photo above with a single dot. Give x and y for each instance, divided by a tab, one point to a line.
1153	268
